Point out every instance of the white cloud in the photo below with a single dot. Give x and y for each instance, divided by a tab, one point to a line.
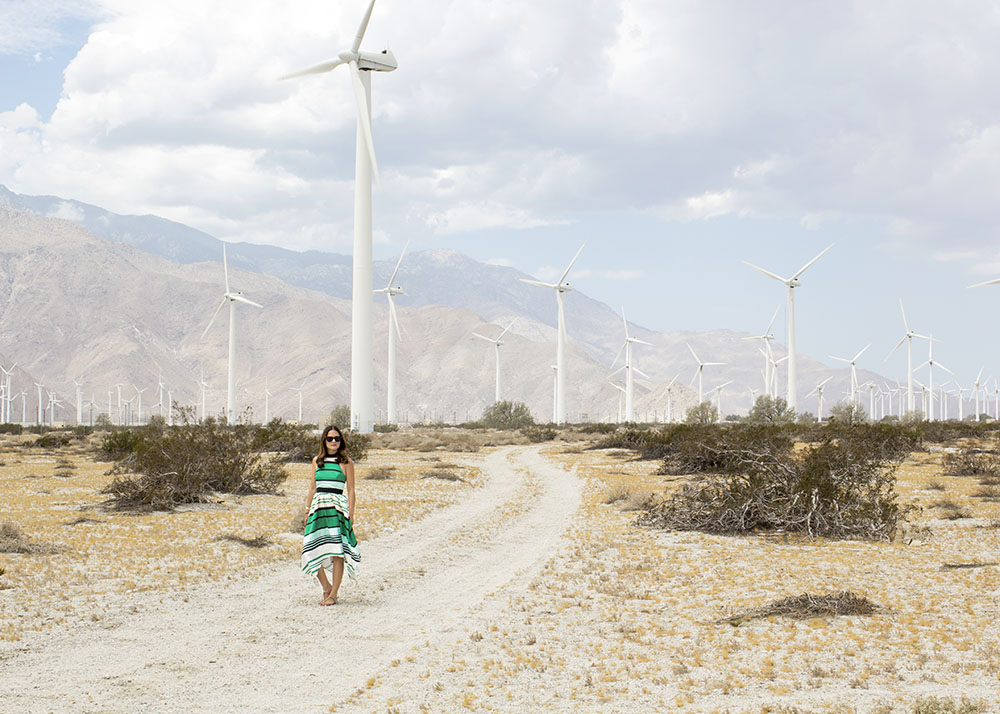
68	212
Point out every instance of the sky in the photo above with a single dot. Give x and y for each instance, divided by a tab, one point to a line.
675	138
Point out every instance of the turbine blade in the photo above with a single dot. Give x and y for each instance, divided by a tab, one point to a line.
839	359
693	354
771	323
393	278
240	298
898	345
640	342
906	325
713	364
625	322
484	337
364	116
538	283
362	28
938	364
213	316
320	68
988	282
861	352
507	328
806	266
570	266
619	354
640	372
768	273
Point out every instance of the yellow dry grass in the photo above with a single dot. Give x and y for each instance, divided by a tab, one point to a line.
626	619
107	552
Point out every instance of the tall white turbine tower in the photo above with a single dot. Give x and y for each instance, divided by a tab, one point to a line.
267	403
718	397
496	347
391	293
629	369
232	298
792	283
560	286
361	64
854	371
698	374
767	337
908	338
79	402
299	390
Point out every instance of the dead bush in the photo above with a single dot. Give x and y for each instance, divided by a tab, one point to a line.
807	606
260	541
189	464
13	540
381	473
843	487
947	705
444	475
971	461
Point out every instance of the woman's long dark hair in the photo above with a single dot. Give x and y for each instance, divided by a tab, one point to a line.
341	455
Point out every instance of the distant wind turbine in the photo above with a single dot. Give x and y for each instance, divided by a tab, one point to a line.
931	364
391	292
496	346
560	286
854	371
299	390
819	392
232	298
699	372
792	283
629	368
908	338
718	397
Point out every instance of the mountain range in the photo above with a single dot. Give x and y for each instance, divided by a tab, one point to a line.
108	299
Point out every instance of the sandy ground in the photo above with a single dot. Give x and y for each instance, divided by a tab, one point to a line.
264	643
532	591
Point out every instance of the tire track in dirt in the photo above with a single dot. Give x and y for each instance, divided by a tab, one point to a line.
265	645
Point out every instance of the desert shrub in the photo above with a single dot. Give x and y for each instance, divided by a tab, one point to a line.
381	473
946	705
770	410
807	606
507	415
843	487
702	414
844	412
386	428
971	461
10	428
52	440
13	540
119	443
189	463
708	449
538	434
260	541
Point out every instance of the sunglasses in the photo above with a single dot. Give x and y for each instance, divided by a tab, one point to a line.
333	439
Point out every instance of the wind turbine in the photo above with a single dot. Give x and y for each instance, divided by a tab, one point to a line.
5	407
391	293
621	396
819	392
39	403
160	385
560	286
766	337
232	298
670	400
299	390
908	338
79	401
975	389
792	283
931	364
267	403
629	368
496	345
718	397
698	374
138	396
360	65
204	389
854	372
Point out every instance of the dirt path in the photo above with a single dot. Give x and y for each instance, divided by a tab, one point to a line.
267	647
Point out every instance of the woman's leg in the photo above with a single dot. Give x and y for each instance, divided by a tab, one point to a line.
327	587
338	577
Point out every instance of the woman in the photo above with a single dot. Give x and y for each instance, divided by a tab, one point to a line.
329	541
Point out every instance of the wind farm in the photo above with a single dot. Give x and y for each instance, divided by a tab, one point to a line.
671	488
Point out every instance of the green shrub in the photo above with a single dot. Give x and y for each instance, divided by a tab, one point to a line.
52	440
538	434
702	414
843	487
10	428
386	428
118	444
770	410
189	463
507	415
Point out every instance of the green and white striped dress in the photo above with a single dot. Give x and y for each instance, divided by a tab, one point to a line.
329	533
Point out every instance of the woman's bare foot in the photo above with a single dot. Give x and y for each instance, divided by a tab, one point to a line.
330	599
